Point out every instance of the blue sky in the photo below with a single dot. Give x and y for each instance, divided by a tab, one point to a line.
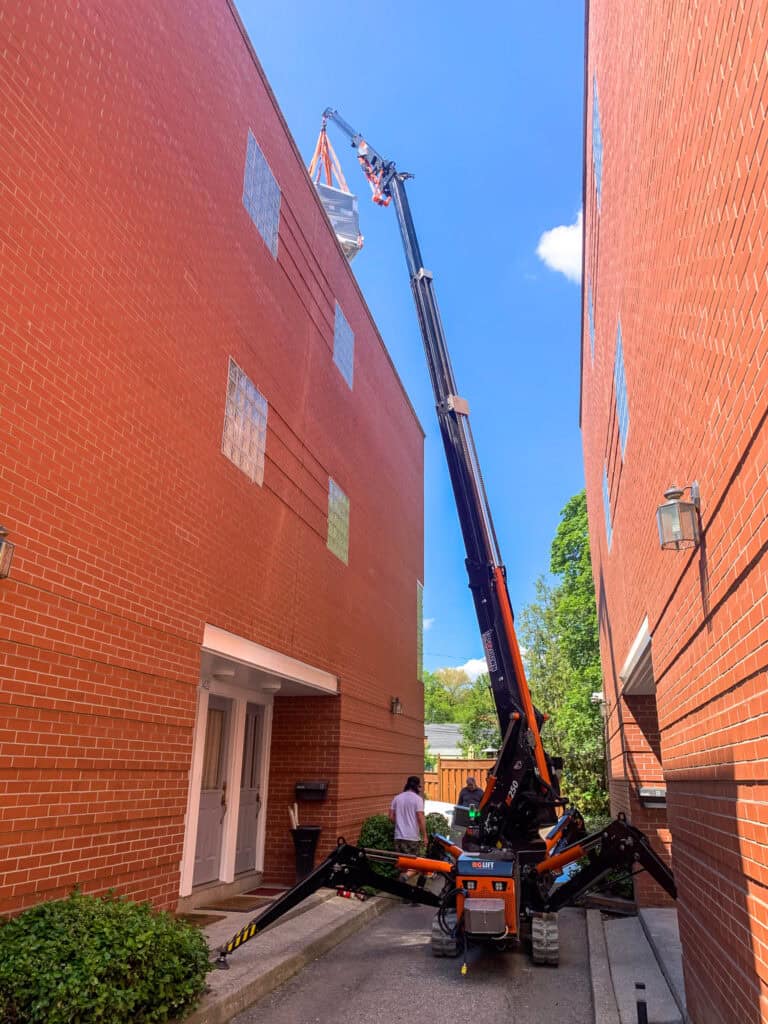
485	109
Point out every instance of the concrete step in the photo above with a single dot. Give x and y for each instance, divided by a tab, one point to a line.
632	961
603	996
660	927
269	959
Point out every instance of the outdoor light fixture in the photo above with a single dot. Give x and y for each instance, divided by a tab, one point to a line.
6	554
678	520
395	706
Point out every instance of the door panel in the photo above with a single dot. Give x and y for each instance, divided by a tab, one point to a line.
250	791
213	792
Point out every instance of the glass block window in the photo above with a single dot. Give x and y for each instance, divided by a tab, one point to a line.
244	439
261	194
420	631
622	403
607	508
591	317
338	521
343	345
597	142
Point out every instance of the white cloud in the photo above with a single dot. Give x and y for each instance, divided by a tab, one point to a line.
474	667
428	624
560	249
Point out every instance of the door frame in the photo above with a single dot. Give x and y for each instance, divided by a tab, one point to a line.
240	696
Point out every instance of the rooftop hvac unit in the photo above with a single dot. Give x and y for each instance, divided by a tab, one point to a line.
339	203
341	208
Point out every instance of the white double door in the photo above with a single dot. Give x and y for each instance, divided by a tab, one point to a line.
220	798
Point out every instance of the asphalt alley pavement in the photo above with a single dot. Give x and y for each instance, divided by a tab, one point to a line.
386	973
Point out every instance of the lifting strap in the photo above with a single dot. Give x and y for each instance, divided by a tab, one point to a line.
324	159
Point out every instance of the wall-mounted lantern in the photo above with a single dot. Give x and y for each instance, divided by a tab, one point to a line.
678	520
395	707
6	554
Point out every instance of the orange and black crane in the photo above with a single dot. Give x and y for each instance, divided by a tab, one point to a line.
504	884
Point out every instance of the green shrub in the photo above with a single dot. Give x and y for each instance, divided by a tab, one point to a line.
437	824
378	833
596	822
99	960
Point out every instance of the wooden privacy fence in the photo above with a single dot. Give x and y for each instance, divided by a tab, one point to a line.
450	776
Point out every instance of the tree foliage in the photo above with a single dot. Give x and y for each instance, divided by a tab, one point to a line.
440	699
559	634
451	696
477	715
454	680
576	612
90	958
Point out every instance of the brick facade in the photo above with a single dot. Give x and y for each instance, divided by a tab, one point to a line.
130	274
676	213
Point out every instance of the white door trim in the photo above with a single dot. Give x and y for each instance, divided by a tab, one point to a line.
241	690
193	797
240	698
266	746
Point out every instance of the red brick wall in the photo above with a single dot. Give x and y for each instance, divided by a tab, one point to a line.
677	251
131	272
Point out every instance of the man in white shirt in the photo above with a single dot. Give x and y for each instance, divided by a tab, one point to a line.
407	813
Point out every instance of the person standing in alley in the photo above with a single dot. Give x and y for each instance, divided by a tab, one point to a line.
471	795
407	813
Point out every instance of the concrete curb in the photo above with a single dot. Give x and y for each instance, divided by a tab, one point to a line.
219	1007
603	996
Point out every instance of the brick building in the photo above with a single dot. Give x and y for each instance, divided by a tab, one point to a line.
208	465
674	390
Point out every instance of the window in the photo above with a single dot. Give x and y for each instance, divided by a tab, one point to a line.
261	194
622	404
338	521
245	424
597	142
343	345
607	508
420	631
214	748
591	317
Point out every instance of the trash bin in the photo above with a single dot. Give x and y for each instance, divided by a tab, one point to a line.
305	843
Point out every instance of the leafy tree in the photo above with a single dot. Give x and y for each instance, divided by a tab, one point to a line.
440	694
559	634
455	680
576	612
477	715
430	759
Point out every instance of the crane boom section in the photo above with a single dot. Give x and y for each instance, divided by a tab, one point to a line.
518	719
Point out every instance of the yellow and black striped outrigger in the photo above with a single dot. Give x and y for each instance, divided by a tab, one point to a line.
348	867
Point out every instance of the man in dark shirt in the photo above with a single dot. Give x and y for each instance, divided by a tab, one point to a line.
471	795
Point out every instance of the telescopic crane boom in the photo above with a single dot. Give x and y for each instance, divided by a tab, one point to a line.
520	794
